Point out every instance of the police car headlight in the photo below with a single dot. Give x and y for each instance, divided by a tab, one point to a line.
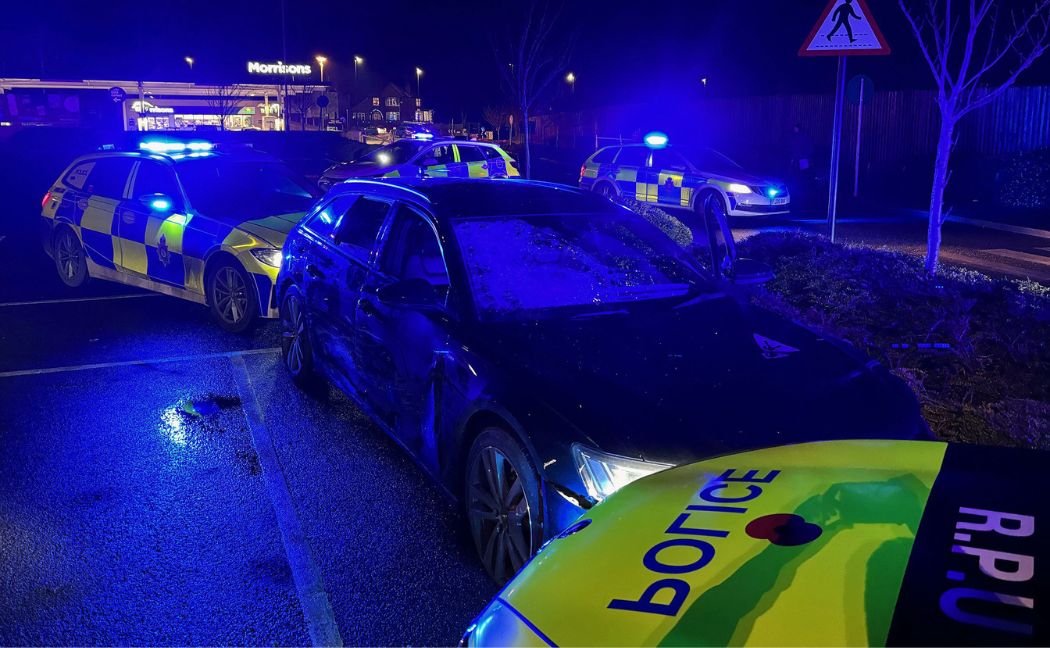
603	474
737	188
268	256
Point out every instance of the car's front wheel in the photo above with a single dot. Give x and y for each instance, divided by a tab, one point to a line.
296	350
232	297
70	260
502	502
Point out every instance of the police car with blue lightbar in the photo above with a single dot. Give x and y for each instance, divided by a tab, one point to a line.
426	156
189	219
656	173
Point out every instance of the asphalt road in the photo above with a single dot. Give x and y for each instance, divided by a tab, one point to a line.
163	482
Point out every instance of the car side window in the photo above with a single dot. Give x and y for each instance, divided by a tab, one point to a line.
412	250
470	154
632	156
109	177
664	159
440	154
78	175
604	156
358	227
491	153
323	222
155	178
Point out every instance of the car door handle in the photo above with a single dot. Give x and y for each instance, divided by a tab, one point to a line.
484	166
314	271
82	203
128	217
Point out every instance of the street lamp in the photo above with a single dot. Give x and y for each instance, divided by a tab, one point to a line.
321	61
570	78
189	62
419	73
357	61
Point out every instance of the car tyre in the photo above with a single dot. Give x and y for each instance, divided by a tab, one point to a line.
296	348
503	503
70	259
606	189
232	297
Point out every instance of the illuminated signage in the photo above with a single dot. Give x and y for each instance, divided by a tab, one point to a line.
279	67
147	107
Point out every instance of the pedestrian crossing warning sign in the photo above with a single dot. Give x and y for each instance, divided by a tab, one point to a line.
846	28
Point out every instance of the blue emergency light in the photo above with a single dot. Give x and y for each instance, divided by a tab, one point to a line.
773	192
162	146
423	136
656	140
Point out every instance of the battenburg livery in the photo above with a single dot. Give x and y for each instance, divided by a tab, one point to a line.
180	218
824	543
423	156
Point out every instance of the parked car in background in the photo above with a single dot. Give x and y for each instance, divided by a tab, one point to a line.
426	157
536	347
669	177
854	542
180	218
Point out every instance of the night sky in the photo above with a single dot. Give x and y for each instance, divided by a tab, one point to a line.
623	51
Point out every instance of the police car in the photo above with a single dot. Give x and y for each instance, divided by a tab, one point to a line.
655	173
184	219
835	543
423	156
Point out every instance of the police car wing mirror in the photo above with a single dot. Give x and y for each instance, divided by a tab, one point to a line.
157	202
418	294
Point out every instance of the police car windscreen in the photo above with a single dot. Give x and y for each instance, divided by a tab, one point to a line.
539	265
242	188
710	160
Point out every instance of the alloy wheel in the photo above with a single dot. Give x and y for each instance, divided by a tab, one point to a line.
293	327
231	295
499	514
68	255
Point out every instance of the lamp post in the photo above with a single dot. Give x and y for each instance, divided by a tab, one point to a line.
189	62
419	73
321	61
357	61
570	78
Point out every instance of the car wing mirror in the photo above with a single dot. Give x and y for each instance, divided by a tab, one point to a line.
158	202
417	294
745	272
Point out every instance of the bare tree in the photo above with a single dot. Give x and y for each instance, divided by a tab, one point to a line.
532	60
962	63
496	116
226	100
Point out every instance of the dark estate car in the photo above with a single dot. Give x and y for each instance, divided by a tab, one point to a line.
536	347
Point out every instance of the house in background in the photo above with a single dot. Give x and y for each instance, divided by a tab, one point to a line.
390	106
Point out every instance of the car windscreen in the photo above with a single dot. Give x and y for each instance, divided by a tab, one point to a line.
542	265
392	154
245	188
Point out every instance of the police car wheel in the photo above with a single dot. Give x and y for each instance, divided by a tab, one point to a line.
502	501
295	341
70	260
605	189
231	297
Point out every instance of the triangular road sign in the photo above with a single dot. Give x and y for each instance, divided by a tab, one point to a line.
846	28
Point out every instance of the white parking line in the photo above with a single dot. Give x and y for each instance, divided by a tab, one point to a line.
320	619
74	300
132	363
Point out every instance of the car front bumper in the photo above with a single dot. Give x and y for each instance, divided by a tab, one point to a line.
757	205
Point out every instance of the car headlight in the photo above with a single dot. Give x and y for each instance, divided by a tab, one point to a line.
737	188
268	256
604	474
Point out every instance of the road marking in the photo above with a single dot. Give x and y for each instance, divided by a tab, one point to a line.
1037	259
320	619
132	363
74	300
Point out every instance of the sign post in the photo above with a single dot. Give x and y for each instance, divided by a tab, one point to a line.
859	90
841	31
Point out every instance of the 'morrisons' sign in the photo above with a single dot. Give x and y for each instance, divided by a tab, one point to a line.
279	67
